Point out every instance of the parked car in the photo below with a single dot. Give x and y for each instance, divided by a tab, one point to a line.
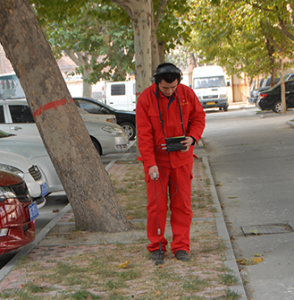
29	172
16	118
32	147
271	99
18	213
126	119
265	84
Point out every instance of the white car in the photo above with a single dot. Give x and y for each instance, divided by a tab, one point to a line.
29	172
107	137
31	147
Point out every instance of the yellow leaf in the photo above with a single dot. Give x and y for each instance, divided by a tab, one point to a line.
257	259
158	293
250	261
124	264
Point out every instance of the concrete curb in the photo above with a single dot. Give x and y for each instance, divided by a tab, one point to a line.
223	233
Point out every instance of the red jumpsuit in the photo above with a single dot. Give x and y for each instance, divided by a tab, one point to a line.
175	168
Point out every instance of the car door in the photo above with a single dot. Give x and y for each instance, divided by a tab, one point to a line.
3	125
20	120
290	93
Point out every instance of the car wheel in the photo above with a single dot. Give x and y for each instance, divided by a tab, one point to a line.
277	108
220	108
225	108
129	130
97	146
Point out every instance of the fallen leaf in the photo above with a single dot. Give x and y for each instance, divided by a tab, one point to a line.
130	217
56	210
158	293
124	264
233	197
249	261
219	184
233	238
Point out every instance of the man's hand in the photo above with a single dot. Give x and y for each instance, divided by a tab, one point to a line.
152	170
187	142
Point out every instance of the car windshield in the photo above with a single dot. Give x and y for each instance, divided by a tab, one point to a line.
105	105
209	82
10	87
4	134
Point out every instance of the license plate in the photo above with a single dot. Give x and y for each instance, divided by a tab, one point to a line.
33	210
44	189
210	103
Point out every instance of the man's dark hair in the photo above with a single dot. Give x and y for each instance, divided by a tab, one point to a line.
168	72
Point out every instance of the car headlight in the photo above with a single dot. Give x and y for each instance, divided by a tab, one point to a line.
112	130
222	95
12	170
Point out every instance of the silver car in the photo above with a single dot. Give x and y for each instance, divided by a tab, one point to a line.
29	172
32	147
16	118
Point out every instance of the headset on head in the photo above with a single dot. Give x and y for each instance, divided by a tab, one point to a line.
165	68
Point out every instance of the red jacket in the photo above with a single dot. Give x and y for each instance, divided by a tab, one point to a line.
149	130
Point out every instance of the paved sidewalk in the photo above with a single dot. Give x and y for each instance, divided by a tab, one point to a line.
31	263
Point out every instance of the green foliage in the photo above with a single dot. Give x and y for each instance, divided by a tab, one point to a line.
92	33
231	33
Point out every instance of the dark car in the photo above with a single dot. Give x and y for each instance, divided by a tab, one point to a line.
265	84
126	119
271	99
18	213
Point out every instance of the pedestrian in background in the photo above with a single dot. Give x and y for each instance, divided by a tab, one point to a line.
170	120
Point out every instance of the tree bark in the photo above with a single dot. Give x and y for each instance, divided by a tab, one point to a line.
86	183
80	60
140	12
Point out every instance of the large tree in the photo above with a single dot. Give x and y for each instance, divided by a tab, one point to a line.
86	183
163	21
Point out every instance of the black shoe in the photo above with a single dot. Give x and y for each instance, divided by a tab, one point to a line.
156	255
182	255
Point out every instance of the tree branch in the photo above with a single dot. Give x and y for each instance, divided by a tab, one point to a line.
159	12
285	30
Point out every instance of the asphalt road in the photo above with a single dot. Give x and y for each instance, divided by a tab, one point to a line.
252	159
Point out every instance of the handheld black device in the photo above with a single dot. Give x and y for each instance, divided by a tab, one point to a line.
174	144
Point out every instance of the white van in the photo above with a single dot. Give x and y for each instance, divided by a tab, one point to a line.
209	84
120	94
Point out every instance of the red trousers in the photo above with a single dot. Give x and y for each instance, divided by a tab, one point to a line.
177	184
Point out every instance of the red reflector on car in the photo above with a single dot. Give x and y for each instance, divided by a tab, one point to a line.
262	96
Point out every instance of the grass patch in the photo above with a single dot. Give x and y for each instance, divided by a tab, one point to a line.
90	273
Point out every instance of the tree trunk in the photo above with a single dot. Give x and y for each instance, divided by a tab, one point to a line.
87	87
283	90
140	13
86	183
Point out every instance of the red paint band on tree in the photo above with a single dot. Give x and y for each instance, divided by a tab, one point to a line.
50	105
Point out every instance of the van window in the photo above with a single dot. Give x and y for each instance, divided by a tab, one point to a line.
134	89
118	89
2	115
216	81
21	114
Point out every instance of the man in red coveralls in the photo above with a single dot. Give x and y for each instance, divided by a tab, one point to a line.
168	109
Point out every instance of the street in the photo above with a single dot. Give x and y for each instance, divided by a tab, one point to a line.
251	157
